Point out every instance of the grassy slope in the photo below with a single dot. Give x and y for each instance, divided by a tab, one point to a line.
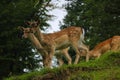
105	68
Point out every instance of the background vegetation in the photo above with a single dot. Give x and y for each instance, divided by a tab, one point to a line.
16	53
99	18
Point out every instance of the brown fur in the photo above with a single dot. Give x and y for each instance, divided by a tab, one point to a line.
59	55
115	44
28	34
100	48
71	36
109	44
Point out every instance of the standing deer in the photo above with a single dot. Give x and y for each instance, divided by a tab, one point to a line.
44	48
71	36
27	33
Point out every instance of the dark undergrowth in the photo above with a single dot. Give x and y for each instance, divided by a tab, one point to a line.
105	68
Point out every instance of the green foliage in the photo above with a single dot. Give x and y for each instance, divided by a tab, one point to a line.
106	74
16	53
100	19
105	68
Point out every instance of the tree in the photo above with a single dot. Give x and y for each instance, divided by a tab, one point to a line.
100	19
16	54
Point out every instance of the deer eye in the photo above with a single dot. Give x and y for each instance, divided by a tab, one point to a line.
32	24
26	30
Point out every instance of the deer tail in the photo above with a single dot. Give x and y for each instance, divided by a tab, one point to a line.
82	35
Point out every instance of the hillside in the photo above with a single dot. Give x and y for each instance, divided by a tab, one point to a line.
105	68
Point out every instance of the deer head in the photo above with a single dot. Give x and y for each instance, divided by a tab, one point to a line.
28	33
35	28
33	23
25	31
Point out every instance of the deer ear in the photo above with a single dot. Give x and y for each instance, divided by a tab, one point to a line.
21	28
38	22
28	22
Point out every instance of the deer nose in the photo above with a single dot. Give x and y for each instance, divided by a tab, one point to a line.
24	36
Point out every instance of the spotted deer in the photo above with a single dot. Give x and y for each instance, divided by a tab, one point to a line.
27	33
109	44
44	48
100	48
71	36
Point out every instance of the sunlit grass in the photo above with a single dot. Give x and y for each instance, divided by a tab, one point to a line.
105	74
105	68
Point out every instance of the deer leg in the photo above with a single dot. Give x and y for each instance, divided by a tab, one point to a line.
67	56
45	61
60	61
75	47
77	58
87	57
59	56
98	56
51	54
77	54
85	53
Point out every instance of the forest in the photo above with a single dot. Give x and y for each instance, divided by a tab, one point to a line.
99	18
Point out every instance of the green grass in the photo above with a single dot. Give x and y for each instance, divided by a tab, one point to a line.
105	74
29	76
105	68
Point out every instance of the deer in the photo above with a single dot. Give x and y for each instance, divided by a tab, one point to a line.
100	49
27	33
112	44
71	36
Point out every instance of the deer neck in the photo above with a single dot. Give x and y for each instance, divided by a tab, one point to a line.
39	34
34	41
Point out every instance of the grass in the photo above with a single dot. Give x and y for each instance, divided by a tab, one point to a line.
104	74
105	68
